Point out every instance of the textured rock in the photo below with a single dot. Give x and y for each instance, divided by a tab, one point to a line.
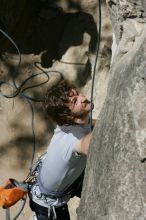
115	183
121	10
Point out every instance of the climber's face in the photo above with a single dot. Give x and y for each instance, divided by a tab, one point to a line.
78	104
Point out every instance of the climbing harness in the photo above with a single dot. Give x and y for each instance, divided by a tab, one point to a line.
34	170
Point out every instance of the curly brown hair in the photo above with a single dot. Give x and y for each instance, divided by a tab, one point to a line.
55	103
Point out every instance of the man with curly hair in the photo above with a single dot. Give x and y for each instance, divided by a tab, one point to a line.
61	174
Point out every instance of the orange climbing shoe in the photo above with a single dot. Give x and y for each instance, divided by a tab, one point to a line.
10	194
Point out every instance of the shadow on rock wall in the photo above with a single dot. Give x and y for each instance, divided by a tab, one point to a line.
42	29
43	32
